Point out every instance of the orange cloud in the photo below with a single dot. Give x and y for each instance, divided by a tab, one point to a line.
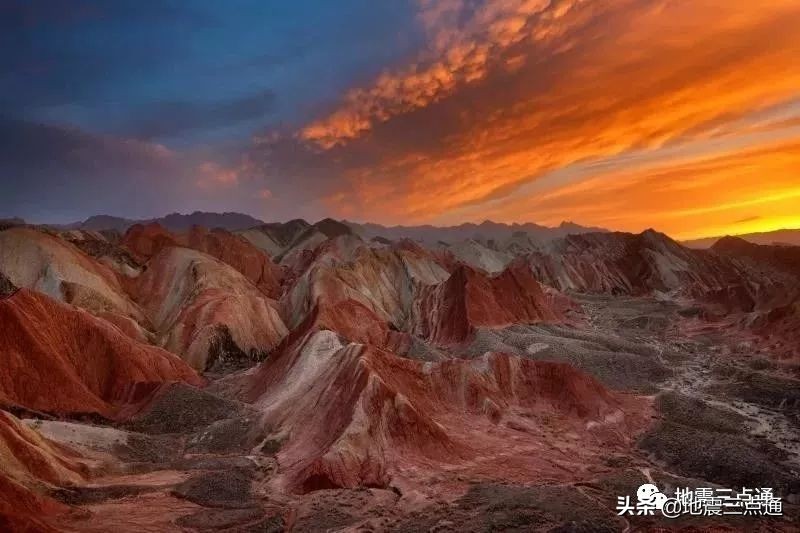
613	89
697	197
457	55
213	176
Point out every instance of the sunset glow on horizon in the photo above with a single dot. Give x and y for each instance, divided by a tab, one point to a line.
683	116
680	115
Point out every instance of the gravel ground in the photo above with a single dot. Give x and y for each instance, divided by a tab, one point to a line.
722	458
184	409
490	507
223	488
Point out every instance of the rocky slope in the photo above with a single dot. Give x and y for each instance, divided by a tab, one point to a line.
204	310
59	359
30	466
776	318
639	264
381	278
389	386
145	241
48	264
275	237
450	312
355	415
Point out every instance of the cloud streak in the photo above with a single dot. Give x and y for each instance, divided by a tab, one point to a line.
458	54
678	114
62	174
507	94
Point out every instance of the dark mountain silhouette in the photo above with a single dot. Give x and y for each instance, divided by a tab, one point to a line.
172	222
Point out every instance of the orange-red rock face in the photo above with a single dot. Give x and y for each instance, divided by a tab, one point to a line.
239	253
643	264
148	240
29	458
774	274
384	280
28	464
59	359
195	301
45	263
348	318
24	511
448	313
356	415
781	328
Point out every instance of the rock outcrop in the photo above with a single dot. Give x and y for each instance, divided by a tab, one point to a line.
357	416
46	263
382	279
146	241
776	269
203	309
29	467
6	287
239	253
59	359
649	263
449	312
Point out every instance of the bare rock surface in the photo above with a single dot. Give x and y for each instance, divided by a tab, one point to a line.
388	387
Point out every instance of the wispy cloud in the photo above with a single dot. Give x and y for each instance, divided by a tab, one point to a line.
466	40
507	94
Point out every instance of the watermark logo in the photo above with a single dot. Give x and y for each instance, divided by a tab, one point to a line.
701	502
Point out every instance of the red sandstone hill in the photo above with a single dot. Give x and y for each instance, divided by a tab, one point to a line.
238	252
204	310
364	290
46	263
780	327
356	415
448	313
29	466
348	318
785	259
59	359
777	314
147	240
640	264
382	279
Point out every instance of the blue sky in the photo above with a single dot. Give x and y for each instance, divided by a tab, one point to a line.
191	72
676	114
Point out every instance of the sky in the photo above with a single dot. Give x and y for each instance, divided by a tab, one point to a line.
680	115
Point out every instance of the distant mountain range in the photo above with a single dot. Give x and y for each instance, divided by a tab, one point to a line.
172	222
487	233
483	232
789	237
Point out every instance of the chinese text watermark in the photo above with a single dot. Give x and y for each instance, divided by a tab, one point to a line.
701	502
